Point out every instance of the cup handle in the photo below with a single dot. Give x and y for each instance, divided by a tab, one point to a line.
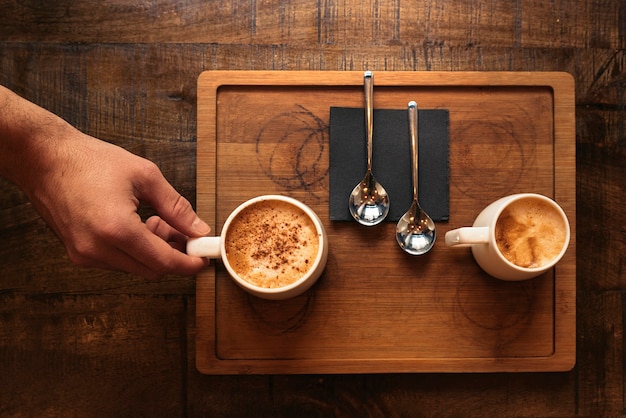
208	247
467	236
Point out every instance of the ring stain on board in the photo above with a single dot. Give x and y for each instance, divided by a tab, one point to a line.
509	313
285	316
495	155
290	149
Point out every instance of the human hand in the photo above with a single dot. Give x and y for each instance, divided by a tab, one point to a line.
89	195
88	191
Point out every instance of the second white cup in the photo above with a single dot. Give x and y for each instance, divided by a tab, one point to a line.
516	237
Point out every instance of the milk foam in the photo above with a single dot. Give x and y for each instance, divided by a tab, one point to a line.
271	243
530	233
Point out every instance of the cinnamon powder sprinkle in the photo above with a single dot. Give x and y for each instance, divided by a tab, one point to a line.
271	243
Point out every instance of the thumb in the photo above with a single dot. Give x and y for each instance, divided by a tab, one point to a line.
172	207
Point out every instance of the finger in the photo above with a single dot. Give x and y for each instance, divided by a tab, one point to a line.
113	259
137	250
163	230
168	234
151	250
153	188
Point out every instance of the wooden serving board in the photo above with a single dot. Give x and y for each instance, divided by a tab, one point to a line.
377	309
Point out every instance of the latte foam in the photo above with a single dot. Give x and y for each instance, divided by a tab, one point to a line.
530	233
271	243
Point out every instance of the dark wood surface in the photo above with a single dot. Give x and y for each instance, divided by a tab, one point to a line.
78	342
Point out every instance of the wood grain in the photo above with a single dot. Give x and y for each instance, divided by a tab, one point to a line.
493	23
76	344
138	62
518	126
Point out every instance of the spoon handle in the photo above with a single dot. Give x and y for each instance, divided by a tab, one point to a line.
368	85
414	145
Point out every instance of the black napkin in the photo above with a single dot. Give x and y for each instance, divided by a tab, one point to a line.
391	160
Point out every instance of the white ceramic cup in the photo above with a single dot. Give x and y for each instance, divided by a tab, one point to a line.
260	254
541	234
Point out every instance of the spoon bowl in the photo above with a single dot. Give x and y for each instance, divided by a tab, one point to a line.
369	202
415	231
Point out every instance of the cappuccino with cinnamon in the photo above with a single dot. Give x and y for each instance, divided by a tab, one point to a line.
271	243
530	232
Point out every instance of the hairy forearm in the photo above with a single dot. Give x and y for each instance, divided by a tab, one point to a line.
88	191
27	147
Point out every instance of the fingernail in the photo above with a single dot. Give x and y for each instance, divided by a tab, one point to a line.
200	226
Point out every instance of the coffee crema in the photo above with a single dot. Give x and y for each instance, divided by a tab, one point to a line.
530	233
271	243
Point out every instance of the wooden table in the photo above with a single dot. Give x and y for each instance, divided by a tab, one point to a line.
77	342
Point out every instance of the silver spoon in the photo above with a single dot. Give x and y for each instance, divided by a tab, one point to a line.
369	202
415	231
